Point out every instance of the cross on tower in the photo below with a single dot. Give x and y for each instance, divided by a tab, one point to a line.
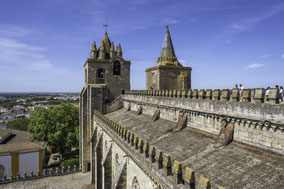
106	25
167	26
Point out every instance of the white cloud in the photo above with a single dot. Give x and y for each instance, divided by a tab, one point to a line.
17	52
238	26
282	55
255	65
182	61
265	56
39	65
169	20
13	31
227	41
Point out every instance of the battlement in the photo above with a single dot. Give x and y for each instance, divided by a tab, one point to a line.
256	95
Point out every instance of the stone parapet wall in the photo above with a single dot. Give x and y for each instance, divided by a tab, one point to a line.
58	171
154	162
256	95
257	124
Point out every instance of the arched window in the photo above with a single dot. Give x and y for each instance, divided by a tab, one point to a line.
101	76
116	68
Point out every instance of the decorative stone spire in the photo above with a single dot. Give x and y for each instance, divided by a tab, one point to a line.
102	52
118	50
93	54
112	51
167	55
106	43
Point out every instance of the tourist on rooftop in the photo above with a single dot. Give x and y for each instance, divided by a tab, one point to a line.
266	94
281	95
241	91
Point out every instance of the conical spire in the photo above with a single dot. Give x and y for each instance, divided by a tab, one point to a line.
93	53
102	52
167	55
111	51
106	43
118	50
94	47
167	49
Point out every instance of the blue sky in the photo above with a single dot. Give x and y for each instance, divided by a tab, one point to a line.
44	44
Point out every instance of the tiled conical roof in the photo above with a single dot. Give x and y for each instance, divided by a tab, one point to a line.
167	55
168	49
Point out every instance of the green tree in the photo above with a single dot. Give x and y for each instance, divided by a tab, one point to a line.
58	125
20	124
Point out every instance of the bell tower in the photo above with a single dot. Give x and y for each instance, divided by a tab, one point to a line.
107	76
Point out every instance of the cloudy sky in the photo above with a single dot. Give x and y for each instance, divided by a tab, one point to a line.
44	44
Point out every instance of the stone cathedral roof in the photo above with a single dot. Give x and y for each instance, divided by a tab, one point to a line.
232	166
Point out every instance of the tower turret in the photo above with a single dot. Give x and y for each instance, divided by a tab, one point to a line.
112	50
168	73
118	50
93	54
102	52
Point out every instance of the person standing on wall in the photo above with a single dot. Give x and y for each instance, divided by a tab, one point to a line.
266	94
281	95
241	91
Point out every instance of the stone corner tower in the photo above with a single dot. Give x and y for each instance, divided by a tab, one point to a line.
107	76
168	73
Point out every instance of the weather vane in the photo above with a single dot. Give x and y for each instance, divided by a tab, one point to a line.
106	25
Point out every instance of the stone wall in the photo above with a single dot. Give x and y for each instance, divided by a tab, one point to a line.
258	124
163	77
118	159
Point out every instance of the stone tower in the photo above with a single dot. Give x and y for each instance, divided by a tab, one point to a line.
107	76
168	73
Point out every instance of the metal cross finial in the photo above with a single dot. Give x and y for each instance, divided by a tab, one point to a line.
106	25
167	26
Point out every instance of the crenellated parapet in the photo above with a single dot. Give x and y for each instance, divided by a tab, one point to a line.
256	95
49	172
165	171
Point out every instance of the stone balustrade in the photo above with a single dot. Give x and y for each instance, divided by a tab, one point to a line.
172	172
256	95
58	171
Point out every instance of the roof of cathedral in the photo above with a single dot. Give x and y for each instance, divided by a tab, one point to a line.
232	166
